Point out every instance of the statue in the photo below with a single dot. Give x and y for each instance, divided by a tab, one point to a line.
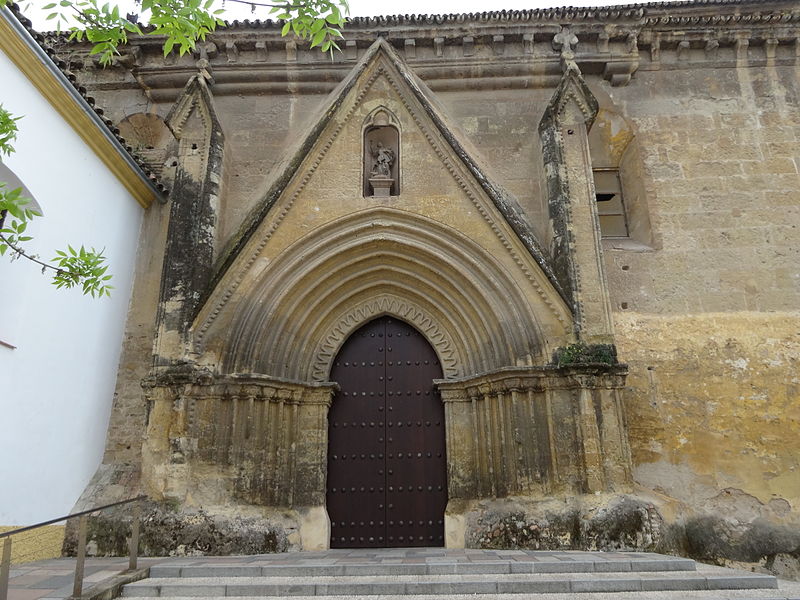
383	159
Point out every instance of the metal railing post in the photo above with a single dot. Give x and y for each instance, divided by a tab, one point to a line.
77	587
5	568
134	547
5	558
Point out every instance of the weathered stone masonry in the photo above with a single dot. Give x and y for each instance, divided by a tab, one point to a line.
273	256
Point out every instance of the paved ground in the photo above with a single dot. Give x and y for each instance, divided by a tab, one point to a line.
53	579
405	556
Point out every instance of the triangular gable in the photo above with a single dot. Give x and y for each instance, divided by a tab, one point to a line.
505	203
321	254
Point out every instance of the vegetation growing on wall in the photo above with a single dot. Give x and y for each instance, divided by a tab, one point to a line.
581	354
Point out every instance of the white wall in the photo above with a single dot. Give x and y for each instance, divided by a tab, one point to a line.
57	386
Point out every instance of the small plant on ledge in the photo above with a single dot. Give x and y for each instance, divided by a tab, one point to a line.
582	354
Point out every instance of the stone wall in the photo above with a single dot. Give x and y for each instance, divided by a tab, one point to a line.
38	544
713	411
705	292
706	317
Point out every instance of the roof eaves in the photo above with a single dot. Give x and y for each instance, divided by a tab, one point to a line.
57	69
613	12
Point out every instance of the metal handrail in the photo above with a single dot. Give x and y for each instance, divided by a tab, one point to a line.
70	516
77	588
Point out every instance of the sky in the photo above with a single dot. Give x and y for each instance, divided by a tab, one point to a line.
366	8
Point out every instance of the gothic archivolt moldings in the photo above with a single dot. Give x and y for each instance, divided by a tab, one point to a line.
289	320
386	305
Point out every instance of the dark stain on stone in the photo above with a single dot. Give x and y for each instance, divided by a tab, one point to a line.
169	532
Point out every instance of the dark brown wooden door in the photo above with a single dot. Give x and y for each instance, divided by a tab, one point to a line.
387	470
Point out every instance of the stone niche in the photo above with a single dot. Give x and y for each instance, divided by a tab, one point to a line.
381	172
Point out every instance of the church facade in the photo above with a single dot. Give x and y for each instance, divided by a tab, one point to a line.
522	279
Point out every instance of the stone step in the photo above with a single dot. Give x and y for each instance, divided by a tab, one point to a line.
662	595
366	585
661	564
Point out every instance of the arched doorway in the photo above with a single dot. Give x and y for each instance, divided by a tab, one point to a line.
387	469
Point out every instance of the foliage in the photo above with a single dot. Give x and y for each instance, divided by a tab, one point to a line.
182	23
14	205
581	353
84	268
315	20
8	131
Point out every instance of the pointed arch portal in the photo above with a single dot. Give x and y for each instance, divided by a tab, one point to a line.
282	353
387	469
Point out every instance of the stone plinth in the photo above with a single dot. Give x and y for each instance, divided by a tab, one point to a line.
381	186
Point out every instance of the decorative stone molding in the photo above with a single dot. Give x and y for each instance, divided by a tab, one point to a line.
605	46
241	438
535	432
451	363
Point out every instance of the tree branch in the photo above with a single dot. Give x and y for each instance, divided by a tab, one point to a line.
286	5
20	252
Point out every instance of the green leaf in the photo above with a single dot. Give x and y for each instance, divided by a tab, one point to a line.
168	45
318	37
335	18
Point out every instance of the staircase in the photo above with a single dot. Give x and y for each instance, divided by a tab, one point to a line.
438	573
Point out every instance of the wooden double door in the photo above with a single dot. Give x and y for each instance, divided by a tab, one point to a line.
387	469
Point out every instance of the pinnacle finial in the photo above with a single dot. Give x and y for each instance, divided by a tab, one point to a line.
564	41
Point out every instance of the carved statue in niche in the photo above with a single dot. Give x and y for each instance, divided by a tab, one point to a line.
383	159
381	155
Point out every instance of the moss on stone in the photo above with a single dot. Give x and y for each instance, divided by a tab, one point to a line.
581	354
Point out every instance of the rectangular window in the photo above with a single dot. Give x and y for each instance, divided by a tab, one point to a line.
610	205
